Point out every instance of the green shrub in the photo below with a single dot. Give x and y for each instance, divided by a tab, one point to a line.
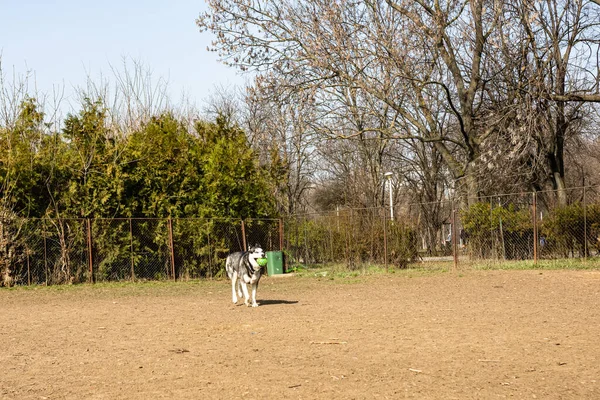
402	245
502	230
565	230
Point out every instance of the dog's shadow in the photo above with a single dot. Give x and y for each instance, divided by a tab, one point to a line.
275	302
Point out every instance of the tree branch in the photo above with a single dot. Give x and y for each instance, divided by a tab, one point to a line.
591	98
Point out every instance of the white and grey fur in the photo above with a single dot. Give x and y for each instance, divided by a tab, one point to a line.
243	269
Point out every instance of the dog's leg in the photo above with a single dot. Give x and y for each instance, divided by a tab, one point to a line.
254	287
246	295
239	288
233	282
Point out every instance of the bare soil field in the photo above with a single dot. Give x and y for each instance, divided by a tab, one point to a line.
479	334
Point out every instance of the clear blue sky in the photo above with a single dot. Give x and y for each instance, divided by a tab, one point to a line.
61	41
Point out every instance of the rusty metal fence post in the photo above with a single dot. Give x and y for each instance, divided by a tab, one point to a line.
171	248
210	260
28	267
585	238
280	234
90	254
244	244
45	254
131	248
454	241
494	248
535	229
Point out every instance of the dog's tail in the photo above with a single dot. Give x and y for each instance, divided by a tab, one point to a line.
229	267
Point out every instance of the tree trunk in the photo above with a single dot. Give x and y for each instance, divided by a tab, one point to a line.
471	187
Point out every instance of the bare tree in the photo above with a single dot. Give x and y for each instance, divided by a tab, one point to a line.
407	54
562	75
489	84
356	148
281	131
225	102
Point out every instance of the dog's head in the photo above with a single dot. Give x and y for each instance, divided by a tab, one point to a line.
255	253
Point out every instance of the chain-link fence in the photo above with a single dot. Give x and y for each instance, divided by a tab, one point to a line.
533	227
46	251
544	227
353	237
336	237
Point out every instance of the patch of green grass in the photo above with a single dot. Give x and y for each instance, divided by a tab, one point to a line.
337	272
343	273
296	268
340	271
558	264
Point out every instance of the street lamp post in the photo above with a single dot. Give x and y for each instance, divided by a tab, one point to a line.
388	177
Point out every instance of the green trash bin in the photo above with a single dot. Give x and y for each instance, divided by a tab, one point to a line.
274	263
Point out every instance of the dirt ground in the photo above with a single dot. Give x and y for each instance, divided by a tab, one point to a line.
485	335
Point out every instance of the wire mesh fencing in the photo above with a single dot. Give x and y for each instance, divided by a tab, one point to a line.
325	238
545	227
495	229
39	251
572	231
352	237
46	251
542	227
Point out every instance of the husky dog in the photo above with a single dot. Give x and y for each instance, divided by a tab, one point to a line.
242	268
